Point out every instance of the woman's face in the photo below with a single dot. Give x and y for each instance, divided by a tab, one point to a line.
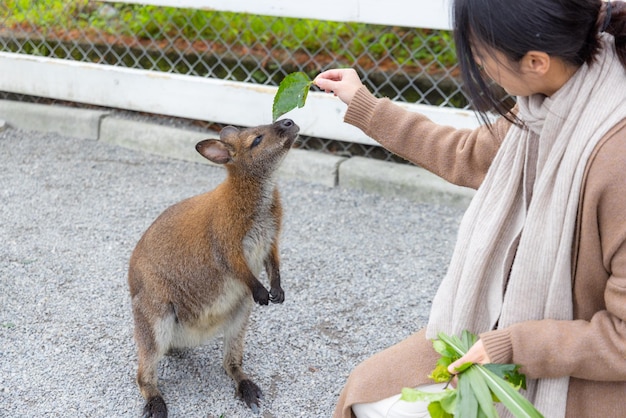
505	73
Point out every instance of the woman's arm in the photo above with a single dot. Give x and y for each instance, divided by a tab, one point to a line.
460	156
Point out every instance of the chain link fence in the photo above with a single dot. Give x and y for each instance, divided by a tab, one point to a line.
404	64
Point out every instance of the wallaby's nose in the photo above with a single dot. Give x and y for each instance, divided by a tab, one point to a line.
286	126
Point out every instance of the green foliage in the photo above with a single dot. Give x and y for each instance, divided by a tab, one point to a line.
42	13
479	386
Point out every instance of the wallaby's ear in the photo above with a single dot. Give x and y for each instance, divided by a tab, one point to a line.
214	150
228	131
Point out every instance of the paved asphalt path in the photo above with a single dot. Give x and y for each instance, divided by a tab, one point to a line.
359	272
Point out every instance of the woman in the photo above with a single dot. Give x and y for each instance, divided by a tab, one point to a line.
539	269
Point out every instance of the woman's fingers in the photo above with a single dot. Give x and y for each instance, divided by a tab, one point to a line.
476	354
343	82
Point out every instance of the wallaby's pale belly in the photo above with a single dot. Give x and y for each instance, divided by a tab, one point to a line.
173	334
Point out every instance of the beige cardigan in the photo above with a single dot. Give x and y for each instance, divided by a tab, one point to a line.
591	348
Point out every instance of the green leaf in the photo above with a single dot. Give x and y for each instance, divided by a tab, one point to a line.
410	395
440	404
448	404
519	406
437	410
481	392
292	92
453	342
467	406
440	347
416	395
445	350
510	373
463	367
440	374
467	339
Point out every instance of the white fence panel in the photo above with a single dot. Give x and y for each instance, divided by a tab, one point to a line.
432	14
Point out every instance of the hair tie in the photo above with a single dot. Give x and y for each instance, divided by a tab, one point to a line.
607	17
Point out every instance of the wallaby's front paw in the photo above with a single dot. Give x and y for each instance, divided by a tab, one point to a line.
277	295
250	393
261	295
155	408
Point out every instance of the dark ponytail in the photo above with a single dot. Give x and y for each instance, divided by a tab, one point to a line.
569	30
613	18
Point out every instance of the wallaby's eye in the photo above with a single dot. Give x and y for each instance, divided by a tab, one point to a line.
256	141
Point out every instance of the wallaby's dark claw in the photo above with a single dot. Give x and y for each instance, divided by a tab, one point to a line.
261	295
155	408
277	295
250	393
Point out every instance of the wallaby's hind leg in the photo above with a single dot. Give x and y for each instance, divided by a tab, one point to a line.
234	335
149	353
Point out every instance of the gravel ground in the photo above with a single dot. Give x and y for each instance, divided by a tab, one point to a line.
359	272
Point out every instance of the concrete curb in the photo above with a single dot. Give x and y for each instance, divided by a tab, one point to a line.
390	179
385	178
155	139
75	123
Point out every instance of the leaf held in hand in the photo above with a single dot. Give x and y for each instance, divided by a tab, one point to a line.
440	374
510	373
443	349
438	410
415	395
292	92
478	385
463	367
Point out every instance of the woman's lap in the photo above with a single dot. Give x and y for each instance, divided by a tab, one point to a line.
405	364
393	407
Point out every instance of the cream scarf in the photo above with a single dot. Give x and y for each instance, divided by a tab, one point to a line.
504	230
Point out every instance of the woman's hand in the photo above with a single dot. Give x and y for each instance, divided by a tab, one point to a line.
476	354
344	83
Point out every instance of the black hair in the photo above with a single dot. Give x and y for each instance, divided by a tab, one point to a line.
567	29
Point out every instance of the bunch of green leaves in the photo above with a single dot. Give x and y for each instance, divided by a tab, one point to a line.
478	388
292	92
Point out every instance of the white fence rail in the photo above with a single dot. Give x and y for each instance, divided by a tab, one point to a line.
208	99
432	14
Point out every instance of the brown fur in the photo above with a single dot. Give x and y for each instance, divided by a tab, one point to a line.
195	270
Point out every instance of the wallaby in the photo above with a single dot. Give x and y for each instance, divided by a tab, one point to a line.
195	270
